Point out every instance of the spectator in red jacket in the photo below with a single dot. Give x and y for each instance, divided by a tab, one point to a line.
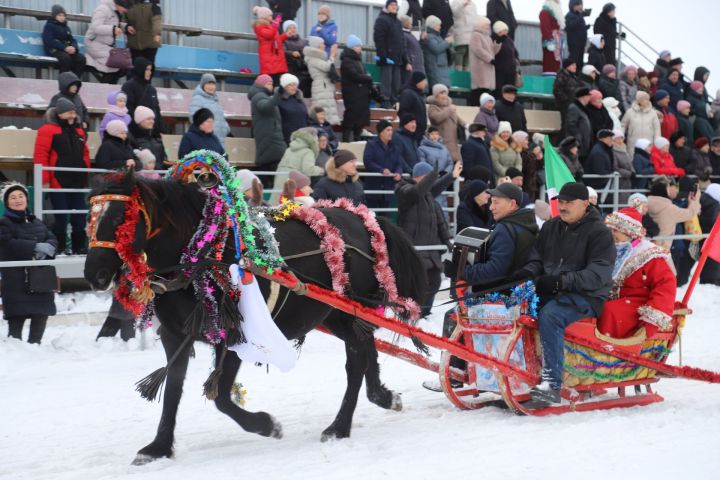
270	43
669	122
662	159
61	142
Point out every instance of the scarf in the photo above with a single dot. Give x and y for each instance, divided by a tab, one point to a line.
623	252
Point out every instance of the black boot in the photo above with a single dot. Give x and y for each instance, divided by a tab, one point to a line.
110	328
37	328
79	243
348	135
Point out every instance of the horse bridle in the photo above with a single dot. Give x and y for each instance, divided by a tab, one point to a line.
98	206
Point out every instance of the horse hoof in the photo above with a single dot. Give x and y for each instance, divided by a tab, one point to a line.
333	433
142	459
396	402
277	431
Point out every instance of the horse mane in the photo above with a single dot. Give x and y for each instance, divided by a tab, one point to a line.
410	276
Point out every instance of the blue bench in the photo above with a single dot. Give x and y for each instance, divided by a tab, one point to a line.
23	48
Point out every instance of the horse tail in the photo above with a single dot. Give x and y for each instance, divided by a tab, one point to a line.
404	261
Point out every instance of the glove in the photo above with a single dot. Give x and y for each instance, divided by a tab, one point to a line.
43	250
382	60
548	284
449	246
550	47
449	269
521	274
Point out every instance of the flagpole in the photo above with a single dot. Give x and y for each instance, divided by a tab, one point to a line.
695	278
708	247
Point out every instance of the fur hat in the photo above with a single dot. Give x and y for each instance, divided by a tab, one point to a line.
568	143
477	127
610	102
405	20
262	12
145	156
289	23
504	127
439	88
433	22
486	97
315	42
288	79
582	92
201	116
513	172
116	128
605	133
142	113
499	27
519	136
63	105
9	187
628	221
262	80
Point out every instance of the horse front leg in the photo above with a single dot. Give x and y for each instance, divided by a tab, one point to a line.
261	423
377	392
162	445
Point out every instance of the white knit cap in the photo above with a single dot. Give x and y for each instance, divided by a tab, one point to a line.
438	88
288	79
592	192
145	156
116	128
618	133
315	42
499	27
432	21
504	127
588	69
246	178
661	142
486	97
642	143
142	113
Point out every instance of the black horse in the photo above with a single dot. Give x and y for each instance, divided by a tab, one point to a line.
175	210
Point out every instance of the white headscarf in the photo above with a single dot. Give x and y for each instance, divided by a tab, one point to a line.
714	191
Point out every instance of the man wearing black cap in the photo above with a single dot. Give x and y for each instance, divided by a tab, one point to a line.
200	135
566	82
600	160
404	140
474	151
572	263
508	109
412	102
341	180
382	156
390	52
578	122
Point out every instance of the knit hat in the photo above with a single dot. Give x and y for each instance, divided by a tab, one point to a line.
262	12
568	61
628	221
483	21
499	27
142	113
509	89
387	4
353	41
246	178
630	68
324	9
382	125
262	80
637	199
486	97
116	128
592	193
665	53
642	143
201	116
301	180
315	42
416	77
641	96
343	156
513	172
433	22
608	69
207	78
653	74
145	156
406	118
697	86
504	127
539	139
683	104
588	69
568	143
595	95
9	187
288	79
63	105
289	23
582	92
700	142
475	188
57	10
519	136
421	169
439	88
596	39
604	133
477	127
661	142
676	135
618	133
405	21
660	94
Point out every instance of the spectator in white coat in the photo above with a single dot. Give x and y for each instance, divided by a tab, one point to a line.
104	29
205	96
464	17
323	88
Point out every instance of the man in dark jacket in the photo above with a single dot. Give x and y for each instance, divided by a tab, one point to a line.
606	25
60	43
572	263
422	219
442	10
508	109
404	140
600	160
566	82
578	122
412	102
502	11
341	180
474	151
576	30
140	92
413	50
69	88
356	85
383	157
390	52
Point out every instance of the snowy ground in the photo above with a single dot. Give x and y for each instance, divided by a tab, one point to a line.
68	410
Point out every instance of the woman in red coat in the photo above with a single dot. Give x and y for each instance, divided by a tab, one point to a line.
270	43
552	26
644	285
662	159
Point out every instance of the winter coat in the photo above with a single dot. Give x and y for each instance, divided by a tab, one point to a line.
699	163
404	141
596	57
640	123
628	92
676	91
435	52
389	39
337	184
642	166
685	125
141	92
287	9
482	59
436	155
267	125
414	51
668	122
328	32
465	16
146	18
327	129
270	47
356	85
141	138
475	153
623	164
202	99
549	32
442	10
599	162
576	30
507	61
579	126
610	87
508	248
297	65
323	89
564	89
683	158
646	294
588	81
299	157
583	254
530	167
501	10
599	119
57	37
512	112
703	125
114	152
469	214
293	113
443	115
421	217
667	215
574	165
65	81
196	139
19	233
378	157
503	156
113	113
412	102
664	164
489	119
59	144
607	27
100	35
